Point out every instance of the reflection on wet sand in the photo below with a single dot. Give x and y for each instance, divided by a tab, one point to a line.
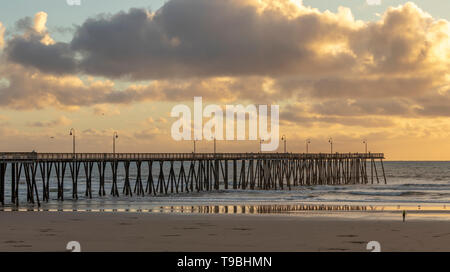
251	209
262	209
293	208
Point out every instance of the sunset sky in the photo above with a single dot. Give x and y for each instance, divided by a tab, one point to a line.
349	69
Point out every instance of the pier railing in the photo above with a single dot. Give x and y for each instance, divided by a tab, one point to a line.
32	156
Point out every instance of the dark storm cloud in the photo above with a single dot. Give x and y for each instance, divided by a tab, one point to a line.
55	58
201	38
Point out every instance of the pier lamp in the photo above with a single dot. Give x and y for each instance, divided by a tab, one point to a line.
115	136
365	143
283	138
214	139
72	133
330	140
308	141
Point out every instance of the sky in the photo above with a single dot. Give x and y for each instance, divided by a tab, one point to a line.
349	69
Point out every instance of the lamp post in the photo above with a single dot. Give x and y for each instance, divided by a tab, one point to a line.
283	138
195	140
330	140
214	139
115	136
72	133
308	141
365	143
260	145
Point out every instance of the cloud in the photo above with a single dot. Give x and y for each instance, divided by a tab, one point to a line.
55	58
29	89
105	110
204	38
40	20
228	51
211	38
2	36
61	121
299	115
405	40
162	120
149	121
371	87
147	134
373	2
193	38
35	26
35	48
364	107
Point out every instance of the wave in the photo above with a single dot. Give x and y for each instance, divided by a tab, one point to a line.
408	193
426	184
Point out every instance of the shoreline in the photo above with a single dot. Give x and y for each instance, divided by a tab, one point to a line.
51	231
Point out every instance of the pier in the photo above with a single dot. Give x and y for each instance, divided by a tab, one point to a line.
151	174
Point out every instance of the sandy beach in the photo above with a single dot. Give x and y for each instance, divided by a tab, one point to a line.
51	231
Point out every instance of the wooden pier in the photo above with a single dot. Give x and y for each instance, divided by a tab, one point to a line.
179	172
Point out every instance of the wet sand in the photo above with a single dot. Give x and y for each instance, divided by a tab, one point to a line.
51	231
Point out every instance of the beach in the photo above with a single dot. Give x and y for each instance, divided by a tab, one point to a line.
51	231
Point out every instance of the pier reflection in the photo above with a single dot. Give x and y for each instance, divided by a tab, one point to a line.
259	209
210	209
285	209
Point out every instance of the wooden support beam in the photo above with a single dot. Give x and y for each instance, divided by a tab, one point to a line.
34	167
74	171
88	166
225	176
182	180
234	174
150	188
171	179
114	187
138	186
384	174
127	187
13	182
376	172
101	165
2	182
216	174
161	179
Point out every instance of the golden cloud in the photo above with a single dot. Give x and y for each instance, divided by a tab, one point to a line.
2	36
